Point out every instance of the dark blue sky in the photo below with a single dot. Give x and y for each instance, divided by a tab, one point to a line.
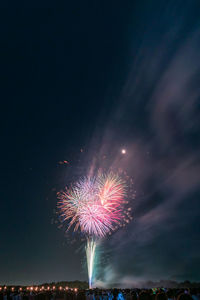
98	76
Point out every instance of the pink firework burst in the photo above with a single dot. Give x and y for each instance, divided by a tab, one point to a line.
94	205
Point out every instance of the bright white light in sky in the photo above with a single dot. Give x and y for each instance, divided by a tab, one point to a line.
123	151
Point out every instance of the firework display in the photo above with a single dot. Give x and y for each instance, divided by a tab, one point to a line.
95	206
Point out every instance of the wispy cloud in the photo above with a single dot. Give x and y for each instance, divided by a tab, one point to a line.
159	115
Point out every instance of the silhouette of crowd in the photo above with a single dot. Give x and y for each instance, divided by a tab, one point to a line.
101	294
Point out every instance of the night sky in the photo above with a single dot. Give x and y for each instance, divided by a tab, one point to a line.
100	76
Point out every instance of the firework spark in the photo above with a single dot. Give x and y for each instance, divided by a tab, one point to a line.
95	206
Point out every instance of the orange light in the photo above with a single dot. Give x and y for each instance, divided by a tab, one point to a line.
75	290
20	289
66	288
54	287
0	288
60	287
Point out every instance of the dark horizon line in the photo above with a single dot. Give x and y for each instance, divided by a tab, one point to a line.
70	284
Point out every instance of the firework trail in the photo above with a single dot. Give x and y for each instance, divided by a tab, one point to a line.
90	253
95	206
